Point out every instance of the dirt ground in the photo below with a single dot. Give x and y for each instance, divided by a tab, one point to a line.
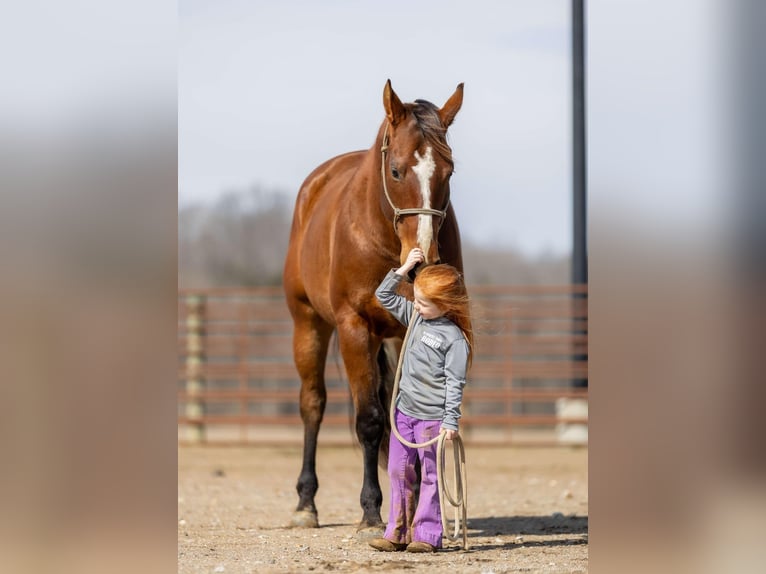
527	512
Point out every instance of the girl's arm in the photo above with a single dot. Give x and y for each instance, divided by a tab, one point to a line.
396	304
455	368
386	293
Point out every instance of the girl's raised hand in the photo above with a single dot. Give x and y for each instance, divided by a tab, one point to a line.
414	257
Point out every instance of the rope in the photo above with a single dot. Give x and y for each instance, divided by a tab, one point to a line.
457	499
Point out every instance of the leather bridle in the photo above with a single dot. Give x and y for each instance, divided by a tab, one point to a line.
399	213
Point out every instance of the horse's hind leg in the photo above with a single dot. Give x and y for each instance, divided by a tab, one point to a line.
310	341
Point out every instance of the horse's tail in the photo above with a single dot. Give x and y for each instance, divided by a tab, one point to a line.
388	360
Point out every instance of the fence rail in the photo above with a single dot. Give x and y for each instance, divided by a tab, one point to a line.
527	385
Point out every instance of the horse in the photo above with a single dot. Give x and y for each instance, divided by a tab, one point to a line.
357	216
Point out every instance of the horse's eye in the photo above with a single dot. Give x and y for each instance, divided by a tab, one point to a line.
395	173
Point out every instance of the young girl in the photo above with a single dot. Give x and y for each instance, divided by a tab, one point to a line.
430	392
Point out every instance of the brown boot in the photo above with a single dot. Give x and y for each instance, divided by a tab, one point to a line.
385	545
420	547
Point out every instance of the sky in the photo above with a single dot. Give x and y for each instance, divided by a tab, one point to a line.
269	90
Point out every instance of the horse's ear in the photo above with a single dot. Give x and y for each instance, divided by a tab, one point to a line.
452	107
394	108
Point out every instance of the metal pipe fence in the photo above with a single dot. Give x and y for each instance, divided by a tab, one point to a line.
237	382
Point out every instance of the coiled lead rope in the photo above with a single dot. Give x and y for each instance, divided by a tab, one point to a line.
457	499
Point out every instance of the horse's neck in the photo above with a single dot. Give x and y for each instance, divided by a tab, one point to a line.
368	184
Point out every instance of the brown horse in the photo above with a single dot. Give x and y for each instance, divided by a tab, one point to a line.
357	216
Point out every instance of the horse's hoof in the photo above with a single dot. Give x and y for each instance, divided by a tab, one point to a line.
304	519
365	533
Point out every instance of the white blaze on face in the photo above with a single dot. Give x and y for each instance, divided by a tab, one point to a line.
424	170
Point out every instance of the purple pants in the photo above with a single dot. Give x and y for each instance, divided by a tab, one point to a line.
407	523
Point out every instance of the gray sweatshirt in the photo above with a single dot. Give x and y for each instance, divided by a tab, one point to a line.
435	361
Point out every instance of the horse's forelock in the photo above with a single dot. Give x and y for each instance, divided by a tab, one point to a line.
427	116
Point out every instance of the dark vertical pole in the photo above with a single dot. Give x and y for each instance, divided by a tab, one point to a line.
579	228
579	251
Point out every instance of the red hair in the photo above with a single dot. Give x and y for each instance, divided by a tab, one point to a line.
443	285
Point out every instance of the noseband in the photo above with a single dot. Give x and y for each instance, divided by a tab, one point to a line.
398	213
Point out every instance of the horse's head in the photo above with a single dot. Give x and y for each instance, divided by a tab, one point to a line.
416	169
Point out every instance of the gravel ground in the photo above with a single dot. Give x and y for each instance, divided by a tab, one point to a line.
527	512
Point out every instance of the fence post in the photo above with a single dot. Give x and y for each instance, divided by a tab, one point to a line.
195	357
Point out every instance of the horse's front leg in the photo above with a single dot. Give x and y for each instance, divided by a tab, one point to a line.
310	341
359	350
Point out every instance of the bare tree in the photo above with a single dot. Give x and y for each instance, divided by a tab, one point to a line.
240	240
